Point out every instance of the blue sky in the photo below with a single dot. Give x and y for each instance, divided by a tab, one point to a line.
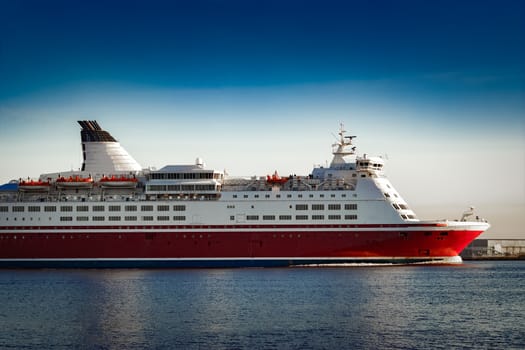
254	86
259	43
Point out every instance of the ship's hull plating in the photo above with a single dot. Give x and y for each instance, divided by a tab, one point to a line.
228	246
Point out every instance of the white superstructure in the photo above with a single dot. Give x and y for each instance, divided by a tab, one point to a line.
353	189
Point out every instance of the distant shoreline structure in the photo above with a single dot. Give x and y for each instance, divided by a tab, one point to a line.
495	249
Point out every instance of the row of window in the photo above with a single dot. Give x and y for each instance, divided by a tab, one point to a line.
179	188
343	195
125	218
399	206
297	217
129	208
95	208
348	206
366	164
184	176
408	216
183	218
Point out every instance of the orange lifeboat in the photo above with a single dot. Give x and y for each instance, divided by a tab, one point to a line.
121	181
276	179
75	182
32	185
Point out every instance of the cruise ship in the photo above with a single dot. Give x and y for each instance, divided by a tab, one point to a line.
113	213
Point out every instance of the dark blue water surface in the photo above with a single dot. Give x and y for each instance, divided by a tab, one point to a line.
474	305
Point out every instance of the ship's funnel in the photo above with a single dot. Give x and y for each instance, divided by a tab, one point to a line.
102	153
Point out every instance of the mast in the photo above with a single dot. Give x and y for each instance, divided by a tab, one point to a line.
339	149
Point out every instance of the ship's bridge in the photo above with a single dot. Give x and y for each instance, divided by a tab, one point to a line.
371	165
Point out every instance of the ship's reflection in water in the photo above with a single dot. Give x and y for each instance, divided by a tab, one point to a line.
402	307
116	310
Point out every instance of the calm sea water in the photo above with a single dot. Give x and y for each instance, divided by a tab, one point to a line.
474	305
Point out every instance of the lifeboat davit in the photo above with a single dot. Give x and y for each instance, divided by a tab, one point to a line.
32	185
118	181
75	182
276	179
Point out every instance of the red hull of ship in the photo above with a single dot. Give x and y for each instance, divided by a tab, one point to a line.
197	246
